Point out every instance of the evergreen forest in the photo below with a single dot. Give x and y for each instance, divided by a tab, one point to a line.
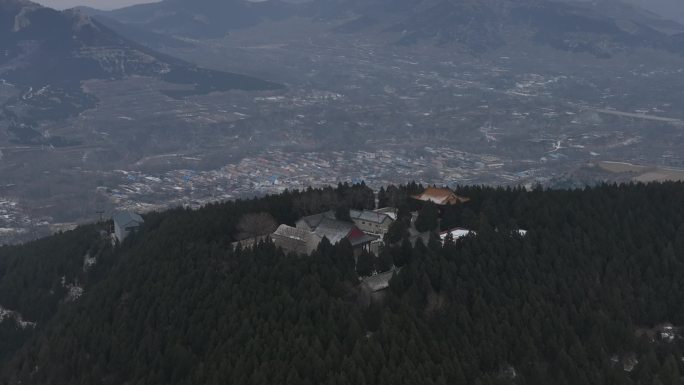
591	294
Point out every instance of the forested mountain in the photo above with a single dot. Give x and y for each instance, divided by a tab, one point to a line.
203	18
578	300
38	278
43	47
640	12
45	55
477	26
671	9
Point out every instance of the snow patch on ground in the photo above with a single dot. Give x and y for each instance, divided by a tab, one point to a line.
6	314
24	324
74	291
88	262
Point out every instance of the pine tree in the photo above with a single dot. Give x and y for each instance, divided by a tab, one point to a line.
365	265
428	218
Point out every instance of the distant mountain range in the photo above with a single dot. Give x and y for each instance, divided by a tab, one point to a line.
672	9
46	54
599	28
646	12
202	18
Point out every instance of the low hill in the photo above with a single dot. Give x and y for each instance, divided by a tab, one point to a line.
591	294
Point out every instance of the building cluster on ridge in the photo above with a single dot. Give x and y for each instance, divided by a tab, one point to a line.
364	229
125	223
364	232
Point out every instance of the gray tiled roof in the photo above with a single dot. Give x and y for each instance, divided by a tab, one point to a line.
315	220
325	225
125	218
292	232
369	216
334	230
379	281
363	240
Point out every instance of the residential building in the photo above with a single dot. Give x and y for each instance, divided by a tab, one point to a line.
440	196
294	240
335	231
389	211
371	222
125	223
325	225
374	288
311	222
378	282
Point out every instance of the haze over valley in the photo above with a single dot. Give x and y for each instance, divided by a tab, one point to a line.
342	192
218	100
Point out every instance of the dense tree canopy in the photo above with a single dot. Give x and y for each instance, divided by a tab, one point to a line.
428	218
574	301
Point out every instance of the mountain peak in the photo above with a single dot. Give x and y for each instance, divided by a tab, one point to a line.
9	5
80	20
57	50
474	25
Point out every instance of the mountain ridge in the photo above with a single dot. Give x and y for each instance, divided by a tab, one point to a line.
49	53
176	304
476	26
203	18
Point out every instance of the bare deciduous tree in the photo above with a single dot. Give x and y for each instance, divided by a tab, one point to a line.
255	224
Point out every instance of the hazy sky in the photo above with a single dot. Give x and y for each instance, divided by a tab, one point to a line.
100	4
673	9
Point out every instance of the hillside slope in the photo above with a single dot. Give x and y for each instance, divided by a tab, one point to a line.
573	302
203	18
46	54
476	26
